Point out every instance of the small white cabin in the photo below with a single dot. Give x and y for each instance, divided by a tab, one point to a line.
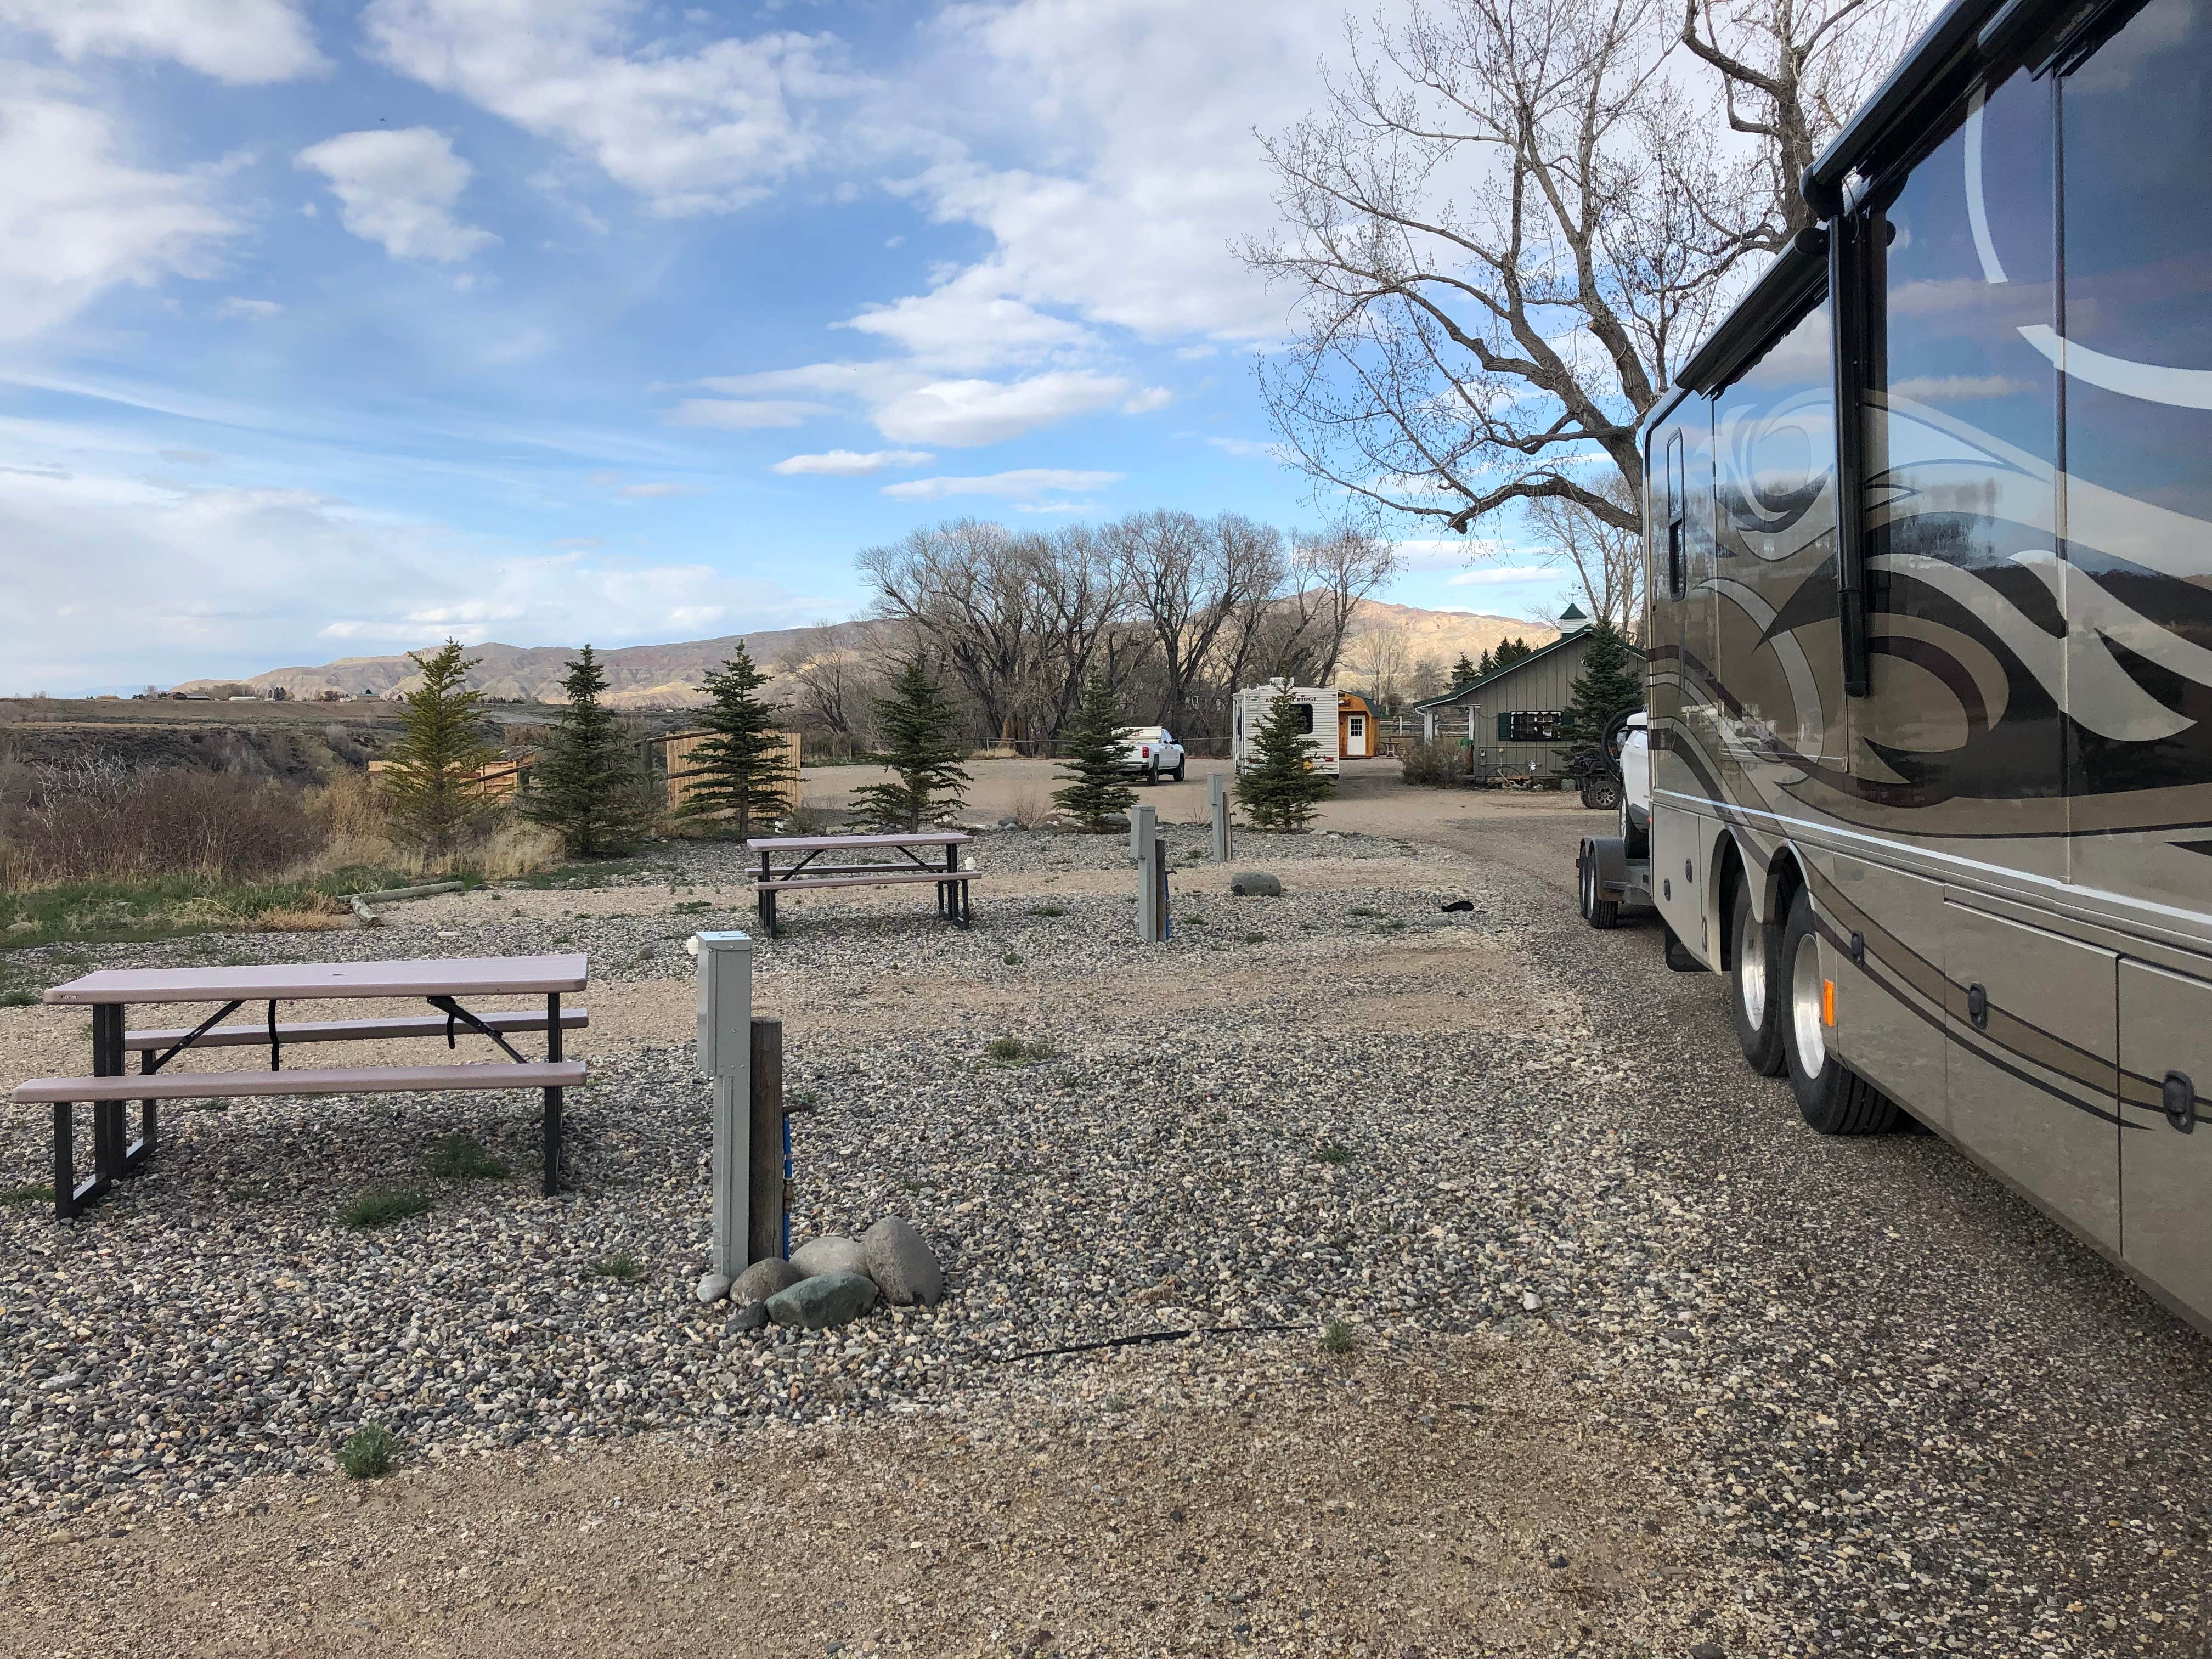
1340	726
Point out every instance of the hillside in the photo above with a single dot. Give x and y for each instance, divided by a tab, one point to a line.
667	676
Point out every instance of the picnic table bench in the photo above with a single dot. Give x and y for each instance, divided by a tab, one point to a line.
440	983
807	873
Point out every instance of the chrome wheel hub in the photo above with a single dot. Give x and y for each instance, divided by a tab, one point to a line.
1750	970
1805	1006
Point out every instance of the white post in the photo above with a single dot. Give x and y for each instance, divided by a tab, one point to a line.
1217	798
726	1055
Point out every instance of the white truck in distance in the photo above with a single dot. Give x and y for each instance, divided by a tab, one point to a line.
1151	751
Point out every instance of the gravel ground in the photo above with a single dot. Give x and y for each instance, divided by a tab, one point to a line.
1894	1409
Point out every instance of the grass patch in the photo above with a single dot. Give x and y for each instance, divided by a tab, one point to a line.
621	1265
591	874
382	1209
564	938
1046	910
1011	959
369	1452
799	1097
1256	939
1116	1402
1336	1337
1361	912
694	907
18	998
1194	921
459	1157
1330	1151
26	1192
1012	1051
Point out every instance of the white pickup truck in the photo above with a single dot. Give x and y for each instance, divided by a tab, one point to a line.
1151	750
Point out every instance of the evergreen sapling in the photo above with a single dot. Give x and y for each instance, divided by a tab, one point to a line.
1612	681
587	786
1092	752
1279	787
916	722
434	785
741	772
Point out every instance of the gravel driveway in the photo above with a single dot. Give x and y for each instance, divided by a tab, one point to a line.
1640	1365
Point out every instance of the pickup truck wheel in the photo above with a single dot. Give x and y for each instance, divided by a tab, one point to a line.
1179	766
1152	775
1834	1099
1752	984
1598	912
1602	793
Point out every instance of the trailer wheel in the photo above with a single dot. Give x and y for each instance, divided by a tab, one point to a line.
1833	1098
1598	912
1753	986
1602	793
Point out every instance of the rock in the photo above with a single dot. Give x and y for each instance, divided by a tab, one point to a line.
1707	1651
763	1280
832	1253
902	1263
1456	906
747	1319
1530	1301
713	1287
815	1303
1254	884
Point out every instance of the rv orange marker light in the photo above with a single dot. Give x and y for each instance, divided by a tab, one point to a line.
1827	1002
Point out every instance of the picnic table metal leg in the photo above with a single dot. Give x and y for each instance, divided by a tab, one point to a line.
64	1161
552	1096
149	1119
107	1114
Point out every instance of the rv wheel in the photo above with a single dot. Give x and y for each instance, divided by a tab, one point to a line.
1752	986
1834	1099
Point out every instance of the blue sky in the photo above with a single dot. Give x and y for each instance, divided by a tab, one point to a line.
326	330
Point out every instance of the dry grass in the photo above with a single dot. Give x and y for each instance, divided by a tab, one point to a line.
1030	808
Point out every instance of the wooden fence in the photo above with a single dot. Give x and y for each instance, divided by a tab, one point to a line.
676	763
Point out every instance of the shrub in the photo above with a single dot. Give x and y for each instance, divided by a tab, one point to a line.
1012	1051
382	1209
1330	1151
369	1452
27	1192
1439	762
1336	1337
102	818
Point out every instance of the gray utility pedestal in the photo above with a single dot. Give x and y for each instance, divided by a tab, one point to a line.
1151	875
744	1057
1217	795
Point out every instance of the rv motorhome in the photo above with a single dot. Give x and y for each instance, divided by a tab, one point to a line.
1930	529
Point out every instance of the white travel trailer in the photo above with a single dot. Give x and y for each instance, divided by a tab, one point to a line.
1322	714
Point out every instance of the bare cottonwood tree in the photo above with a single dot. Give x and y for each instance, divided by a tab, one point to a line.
1607	561
1506	226
837	676
1186	579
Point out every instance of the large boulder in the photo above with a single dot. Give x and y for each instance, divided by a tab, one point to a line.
1254	884
832	1253
825	1299
763	1280
902	1265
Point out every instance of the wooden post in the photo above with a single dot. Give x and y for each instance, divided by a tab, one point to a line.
764	1191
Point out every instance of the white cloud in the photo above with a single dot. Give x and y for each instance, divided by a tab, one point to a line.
742	414
237	307
239	41
647	492
962	326
698	130
960	413
1252	449
1152	398
1024	484
849	463
398	188
76	219
229	580
1502	575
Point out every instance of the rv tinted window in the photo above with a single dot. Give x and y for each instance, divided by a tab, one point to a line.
1677	572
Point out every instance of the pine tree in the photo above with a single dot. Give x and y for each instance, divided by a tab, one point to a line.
741	771
1485	667
916	720
1279	789
1465	673
432	785
1510	652
1092	750
1612	680
587	784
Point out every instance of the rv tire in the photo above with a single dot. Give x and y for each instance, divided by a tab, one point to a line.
1753	986
1834	1099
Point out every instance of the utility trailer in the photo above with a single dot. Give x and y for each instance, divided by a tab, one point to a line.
1928	532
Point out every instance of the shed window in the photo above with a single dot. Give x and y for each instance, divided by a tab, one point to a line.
1529	729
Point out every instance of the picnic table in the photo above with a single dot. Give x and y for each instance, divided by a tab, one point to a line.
442	984
909	867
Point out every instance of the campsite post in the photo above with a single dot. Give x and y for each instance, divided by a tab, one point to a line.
1217	798
1152	874
725	1042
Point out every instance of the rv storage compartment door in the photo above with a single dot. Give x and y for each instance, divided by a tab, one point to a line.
2165	1027
1678	844
2030	1066
1889	1006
